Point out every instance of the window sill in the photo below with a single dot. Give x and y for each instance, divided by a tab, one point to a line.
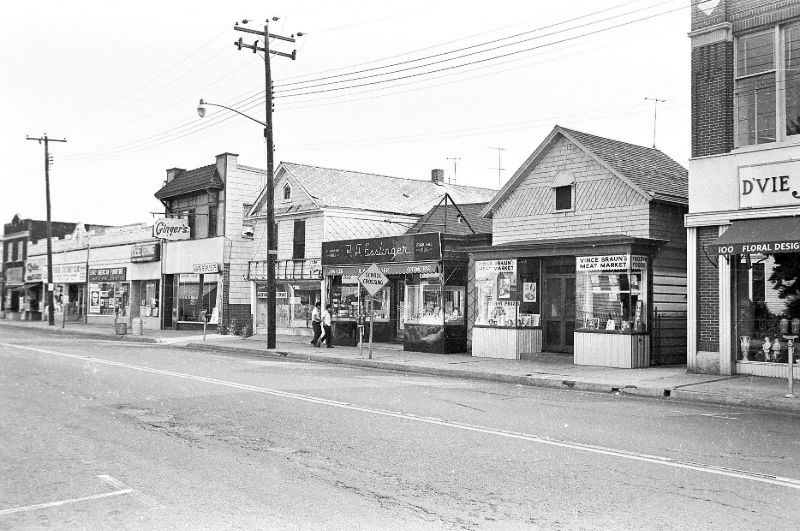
790	141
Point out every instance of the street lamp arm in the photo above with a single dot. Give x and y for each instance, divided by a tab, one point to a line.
201	111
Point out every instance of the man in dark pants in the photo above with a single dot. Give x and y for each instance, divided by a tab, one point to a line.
326	324
316	324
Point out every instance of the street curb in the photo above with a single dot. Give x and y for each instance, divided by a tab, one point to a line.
664	394
532	381
81	333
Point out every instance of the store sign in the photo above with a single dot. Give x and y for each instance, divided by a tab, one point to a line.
769	185
33	272
205	268
14	275
611	262
69	273
171	229
108	274
490	268
407	248
146	252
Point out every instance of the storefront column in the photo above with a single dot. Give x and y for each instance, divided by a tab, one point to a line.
253	303
691	299
134	300
727	359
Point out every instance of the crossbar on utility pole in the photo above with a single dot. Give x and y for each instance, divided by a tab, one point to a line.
655	101
272	247
44	138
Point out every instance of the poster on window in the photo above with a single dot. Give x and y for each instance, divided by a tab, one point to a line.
529	292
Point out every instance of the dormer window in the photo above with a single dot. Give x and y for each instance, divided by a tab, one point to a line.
563	186
287	192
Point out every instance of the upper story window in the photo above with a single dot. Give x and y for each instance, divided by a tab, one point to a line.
287	192
767	86
299	243
563	186
15	255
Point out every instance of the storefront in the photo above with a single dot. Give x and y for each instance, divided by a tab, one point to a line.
69	291
423	306
197	296
298	286
109	292
14	292
591	303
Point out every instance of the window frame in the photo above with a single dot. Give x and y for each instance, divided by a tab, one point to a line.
571	207
299	247
778	70
284	198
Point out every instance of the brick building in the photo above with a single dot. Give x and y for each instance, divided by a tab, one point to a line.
744	186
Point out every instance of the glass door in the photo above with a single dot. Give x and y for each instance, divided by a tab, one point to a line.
398	315
558	307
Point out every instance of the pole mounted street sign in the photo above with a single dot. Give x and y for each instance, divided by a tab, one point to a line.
373	279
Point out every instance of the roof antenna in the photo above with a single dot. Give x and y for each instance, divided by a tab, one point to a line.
655	101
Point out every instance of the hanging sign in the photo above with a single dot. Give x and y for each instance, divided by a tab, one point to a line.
373	279
171	229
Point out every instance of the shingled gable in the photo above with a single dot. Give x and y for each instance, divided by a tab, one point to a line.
648	171
204	178
334	188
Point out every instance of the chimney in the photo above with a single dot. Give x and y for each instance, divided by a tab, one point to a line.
226	162
437	176
173	172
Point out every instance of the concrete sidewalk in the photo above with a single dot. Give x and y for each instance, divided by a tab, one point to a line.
555	371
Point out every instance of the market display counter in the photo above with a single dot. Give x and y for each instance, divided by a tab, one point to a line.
505	342
612	349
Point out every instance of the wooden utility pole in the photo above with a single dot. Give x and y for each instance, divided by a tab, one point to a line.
655	101
272	240
51	320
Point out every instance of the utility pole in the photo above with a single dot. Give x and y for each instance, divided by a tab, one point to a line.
655	101
272	240
455	168
51	320
500	168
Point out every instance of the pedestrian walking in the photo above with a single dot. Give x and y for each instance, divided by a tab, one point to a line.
316	324
326	325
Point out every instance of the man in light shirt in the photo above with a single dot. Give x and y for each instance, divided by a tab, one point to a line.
326	325
316	324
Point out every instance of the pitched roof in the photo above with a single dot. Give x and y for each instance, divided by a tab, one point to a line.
335	188
647	170
434	220
195	180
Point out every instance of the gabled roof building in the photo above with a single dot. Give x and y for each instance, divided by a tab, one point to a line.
587	256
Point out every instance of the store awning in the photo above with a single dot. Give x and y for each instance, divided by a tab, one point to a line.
765	236
400	268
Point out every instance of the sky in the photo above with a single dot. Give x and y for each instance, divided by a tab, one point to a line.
395	88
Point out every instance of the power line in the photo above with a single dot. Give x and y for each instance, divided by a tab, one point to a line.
471	47
478	61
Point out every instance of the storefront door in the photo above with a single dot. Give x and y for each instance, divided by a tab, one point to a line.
398	307
558	307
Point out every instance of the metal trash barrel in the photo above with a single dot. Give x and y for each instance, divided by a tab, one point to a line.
122	329
137	327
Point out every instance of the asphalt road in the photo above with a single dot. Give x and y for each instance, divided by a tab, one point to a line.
113	435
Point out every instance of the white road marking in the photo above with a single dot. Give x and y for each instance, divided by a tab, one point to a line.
38	506
622	454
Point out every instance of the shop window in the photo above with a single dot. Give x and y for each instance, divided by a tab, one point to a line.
767	305
433	304
767	86
502	297
299	242
108	298
196	294
611	293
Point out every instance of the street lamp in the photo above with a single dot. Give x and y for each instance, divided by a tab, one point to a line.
271	237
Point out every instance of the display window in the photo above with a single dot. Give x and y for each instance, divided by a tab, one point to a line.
107	298
767	306
293	304
148	298
508	293
611	293
345	298
433	304
198	293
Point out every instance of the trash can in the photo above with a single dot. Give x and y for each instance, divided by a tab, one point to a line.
122	329
137	327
